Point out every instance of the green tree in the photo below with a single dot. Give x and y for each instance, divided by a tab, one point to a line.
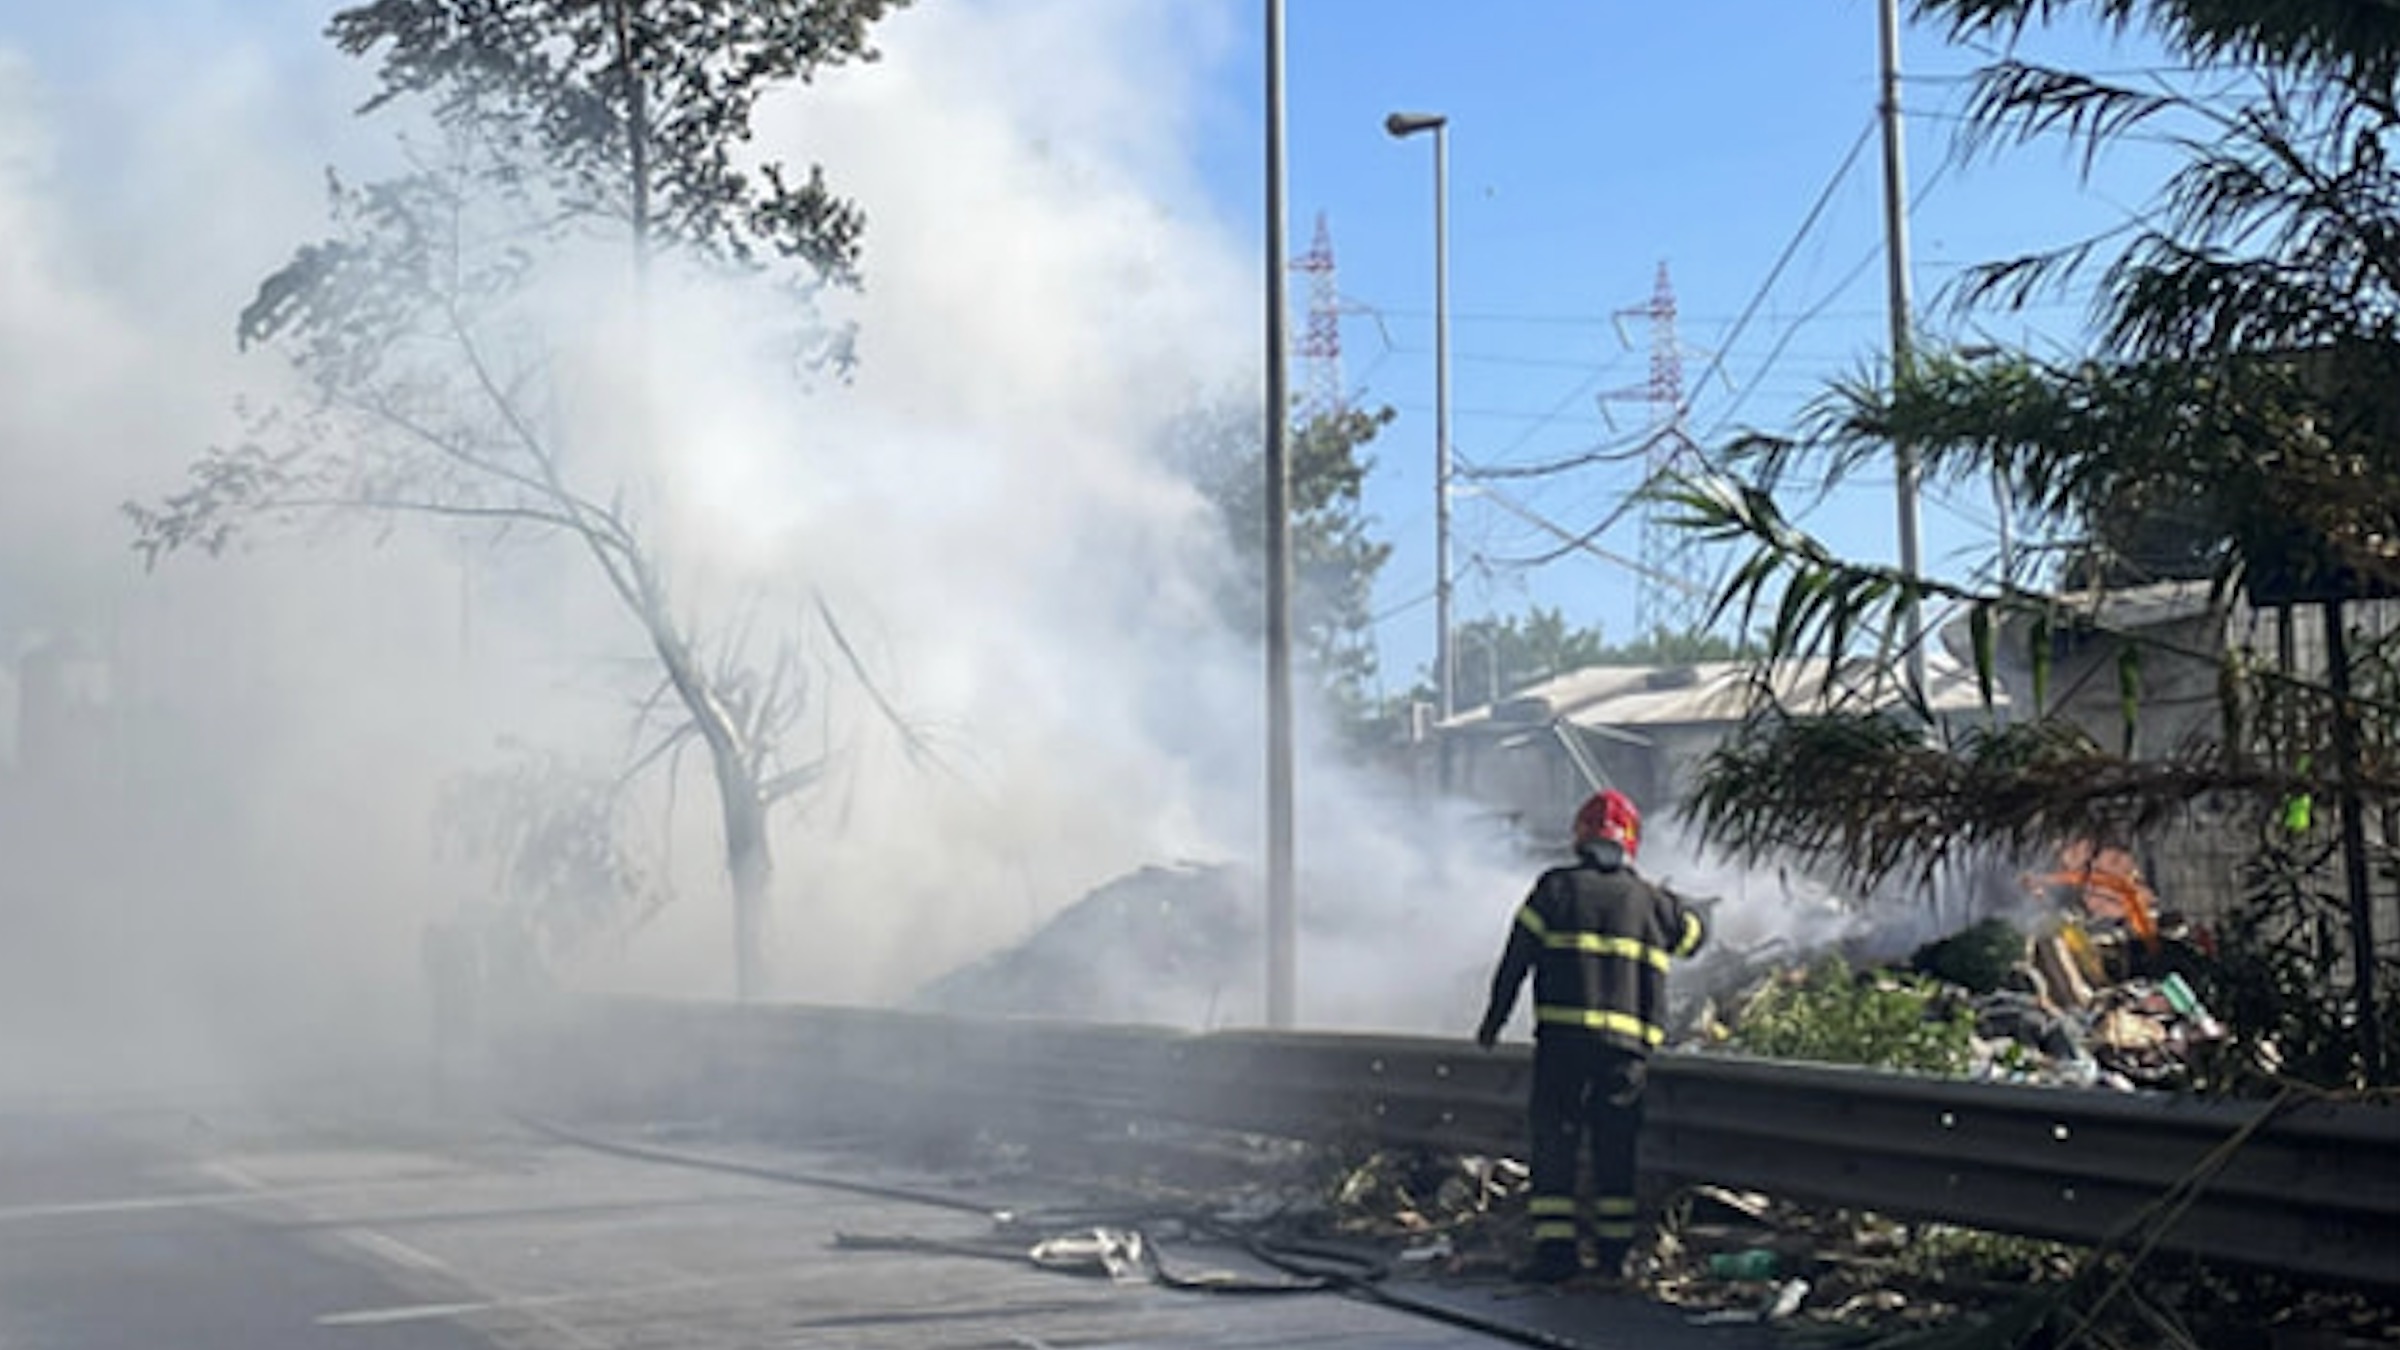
548	833
1335	556
2235	420
1497	655
421	334
632	110
1667	647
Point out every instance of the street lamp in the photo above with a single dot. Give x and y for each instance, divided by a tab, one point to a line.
1445	661
1282	972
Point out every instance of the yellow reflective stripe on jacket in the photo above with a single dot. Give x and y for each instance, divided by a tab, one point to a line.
1600	945
1613	1204
1595	1019
1551	1204
1554	1230
1692	933
1614	1230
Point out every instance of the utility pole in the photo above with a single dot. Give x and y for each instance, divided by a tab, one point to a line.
1282	910
1895	231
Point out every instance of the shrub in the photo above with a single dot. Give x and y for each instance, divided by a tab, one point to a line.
1832	1015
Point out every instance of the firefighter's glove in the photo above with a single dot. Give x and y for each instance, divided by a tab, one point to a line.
1488	1035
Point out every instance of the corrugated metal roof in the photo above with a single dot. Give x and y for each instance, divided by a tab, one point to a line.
1711	692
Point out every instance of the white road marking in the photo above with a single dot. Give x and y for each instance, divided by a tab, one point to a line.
533	1303
392	1249
395	1251
414	1312
233	1174
175	1200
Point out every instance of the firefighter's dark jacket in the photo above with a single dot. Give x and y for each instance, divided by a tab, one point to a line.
1598	939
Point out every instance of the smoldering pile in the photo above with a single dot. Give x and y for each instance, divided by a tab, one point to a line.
1397	950
1166	945
2057	997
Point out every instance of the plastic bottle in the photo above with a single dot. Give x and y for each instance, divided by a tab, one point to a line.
1751	1263
2180	997
1788	1298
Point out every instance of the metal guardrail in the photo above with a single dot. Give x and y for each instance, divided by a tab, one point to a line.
2312	1187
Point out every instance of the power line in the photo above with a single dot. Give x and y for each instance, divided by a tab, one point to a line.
1555	410
1584	543
1395	611
1849	279
2118	73
1815	211
1962	119
1962	512
1808	222
1622	450
1499	415
1574	319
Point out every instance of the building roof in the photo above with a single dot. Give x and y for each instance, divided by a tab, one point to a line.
1710	693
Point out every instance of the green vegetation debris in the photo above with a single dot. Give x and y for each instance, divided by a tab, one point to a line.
1880	1019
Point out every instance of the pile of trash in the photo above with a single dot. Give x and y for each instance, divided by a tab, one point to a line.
2091	985
2099	994
1164	945
1184	946
1846	1277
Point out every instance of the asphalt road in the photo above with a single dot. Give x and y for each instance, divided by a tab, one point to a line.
236	1226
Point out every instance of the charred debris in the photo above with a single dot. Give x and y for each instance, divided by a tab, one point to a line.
2089	982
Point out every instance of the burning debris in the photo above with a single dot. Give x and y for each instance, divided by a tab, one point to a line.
2095	985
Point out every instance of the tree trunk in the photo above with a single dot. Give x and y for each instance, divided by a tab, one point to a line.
750	866
741	806
637	137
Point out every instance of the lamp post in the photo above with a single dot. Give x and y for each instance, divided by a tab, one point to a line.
1445	661
1282	973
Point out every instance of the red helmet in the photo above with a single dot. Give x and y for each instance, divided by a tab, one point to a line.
1609	817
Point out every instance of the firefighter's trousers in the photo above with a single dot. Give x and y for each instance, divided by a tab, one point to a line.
1586	1092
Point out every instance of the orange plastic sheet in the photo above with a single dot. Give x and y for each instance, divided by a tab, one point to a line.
2109	886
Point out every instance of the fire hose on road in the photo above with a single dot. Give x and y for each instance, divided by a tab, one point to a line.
2302	1184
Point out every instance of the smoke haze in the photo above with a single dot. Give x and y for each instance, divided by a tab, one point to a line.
219	776
216	853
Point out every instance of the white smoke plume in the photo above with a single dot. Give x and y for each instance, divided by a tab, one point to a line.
240	867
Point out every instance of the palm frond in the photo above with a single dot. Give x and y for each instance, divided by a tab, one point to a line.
2016	101
1871	796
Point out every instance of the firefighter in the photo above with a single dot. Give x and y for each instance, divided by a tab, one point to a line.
1597	938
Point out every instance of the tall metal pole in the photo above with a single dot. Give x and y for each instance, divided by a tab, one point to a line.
2354	845
1445	650
1282	912
1445	656
1895	231
2004	509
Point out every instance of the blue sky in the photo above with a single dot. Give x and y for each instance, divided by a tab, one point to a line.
1589	143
